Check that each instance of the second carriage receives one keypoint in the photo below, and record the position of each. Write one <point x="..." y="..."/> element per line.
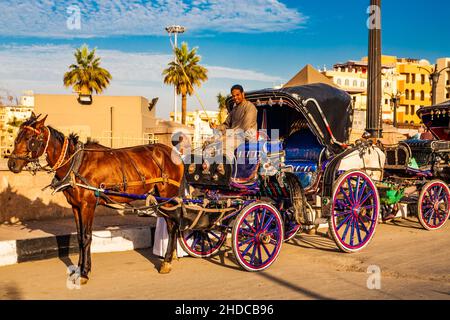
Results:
<point x="300" y="172"/>
<point x="418" y="172"/>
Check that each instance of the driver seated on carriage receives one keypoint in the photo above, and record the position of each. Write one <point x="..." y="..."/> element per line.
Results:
<point x="240" y="125"/>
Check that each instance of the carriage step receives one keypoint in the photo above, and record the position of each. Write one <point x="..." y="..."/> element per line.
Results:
<point x="319" y="221"/>
<point x="146" y="213"/>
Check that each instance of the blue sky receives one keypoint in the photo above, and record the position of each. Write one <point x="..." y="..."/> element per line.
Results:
<point x="258" y="43"/>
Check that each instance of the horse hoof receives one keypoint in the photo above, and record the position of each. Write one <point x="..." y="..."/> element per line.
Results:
<point x="84" y="280"/>
<point x="175" y="256"/>
<point x="165" y="268"/>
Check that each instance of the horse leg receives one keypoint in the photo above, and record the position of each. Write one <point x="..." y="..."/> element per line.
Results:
<point x="166" y="266"/>
<point x="87" y="219"/>
<point x="77" y="216"/>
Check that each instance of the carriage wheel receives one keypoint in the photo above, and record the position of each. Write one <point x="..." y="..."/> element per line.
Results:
<point x="433" y="205"/>
<point x="291" y="227"/>
<point x="257" y="236"/>
<point x="354" y="212"/>
<point x="202" y="243"/>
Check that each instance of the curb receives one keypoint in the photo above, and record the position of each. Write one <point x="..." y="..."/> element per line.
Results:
<point x="111" y="240"/>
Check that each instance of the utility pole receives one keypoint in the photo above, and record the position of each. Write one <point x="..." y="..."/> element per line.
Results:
<point x="373" y="115"/>
<point x="175" y="29"/>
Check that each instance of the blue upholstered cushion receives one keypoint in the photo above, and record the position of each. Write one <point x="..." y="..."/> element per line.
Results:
<point x="302" y="165"/>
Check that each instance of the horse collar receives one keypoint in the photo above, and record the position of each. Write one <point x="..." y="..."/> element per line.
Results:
<point x="62" y="154"/>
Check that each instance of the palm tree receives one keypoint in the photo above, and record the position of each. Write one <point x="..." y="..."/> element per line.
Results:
<point x="221" y="99"/>
<point x="15" y="122"/>
<point x="86" y="75"/>
<point x="184" y="74"/>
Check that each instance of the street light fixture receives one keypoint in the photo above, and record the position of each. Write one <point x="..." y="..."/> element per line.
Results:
<point x="175" y="29"/>
<point x="434" y="79"/>
<point x="395" y="97"/>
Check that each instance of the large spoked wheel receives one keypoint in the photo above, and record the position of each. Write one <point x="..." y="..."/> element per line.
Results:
<point x="202" y="243"/>
<point x="433" y="205"/>
<point x="291" y="227"/>
<point x="354" y="212"/>
<point x="257" y="236"/>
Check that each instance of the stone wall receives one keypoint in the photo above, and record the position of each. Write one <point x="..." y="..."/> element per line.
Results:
<point x="22" y="199"/>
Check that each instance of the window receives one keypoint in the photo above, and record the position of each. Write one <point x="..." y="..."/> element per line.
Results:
<point x="386" y="84"/>
<point x="413" y="95"/>
<point x="406" y="111"/>
<point x="386" y="101"/>
<point x="406" y="121"/>
<point x="422" y="80"/>
<point x="413" y="78"/>
<point x="412" y="110"/>
<point x="355" y="83"/>
<point x="407" y="94"/>
<point x="447" y="95"/>
<point x="347" y="83"/>
<point x="411" y="122"/>
<point x="363" y="84"/>
<point x="422" y="95"/>
<point x="339" y="81"/>
<point x="407" y="77"/>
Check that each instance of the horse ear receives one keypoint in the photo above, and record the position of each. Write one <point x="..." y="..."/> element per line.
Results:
<point x="41" y="122"/>
<point x="33" y="115"/>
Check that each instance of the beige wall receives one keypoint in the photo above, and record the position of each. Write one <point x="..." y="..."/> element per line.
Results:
<point x="443" y="87"/>
<point x="130" y="117"/>
<point x="21" y="198"/>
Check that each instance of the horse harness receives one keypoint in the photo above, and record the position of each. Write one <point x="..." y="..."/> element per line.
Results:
<point x="36" y="142"/>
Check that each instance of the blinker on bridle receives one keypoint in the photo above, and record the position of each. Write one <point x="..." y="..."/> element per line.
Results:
<point x="33" y="145"/>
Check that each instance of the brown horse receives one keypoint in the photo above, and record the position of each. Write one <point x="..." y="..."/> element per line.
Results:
<point x="138" y="170"/>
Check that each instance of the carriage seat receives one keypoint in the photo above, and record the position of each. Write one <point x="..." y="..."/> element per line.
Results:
<point x="302" y="155"/>
<point x="302" y="151"/>
<point x="250" y="156"/>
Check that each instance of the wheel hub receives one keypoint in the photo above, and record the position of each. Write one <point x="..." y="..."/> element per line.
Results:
<point x="264" y="238"/>
<point x="436" y="205"/>
<point x="356" y="211"/>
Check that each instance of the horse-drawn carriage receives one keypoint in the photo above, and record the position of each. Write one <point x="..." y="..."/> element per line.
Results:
<point x="299" y="172"/>
<point x="418" y="172"/>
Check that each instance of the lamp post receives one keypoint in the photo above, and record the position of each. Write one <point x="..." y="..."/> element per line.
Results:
<point x="175" y="29"/>
<point x="394" y="99"/>
<point x="434" y="79"/>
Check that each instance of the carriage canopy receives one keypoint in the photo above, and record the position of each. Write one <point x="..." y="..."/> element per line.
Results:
<point x="290" y="110"/>
<point x="437" y="119"/>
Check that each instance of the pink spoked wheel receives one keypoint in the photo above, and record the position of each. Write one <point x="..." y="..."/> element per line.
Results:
<point x="354" y="211"/>
<point x="433" y="205"/>
<point x="257" y="236"/>
<point x="291" y="226"/>
<point x="202" y="243"/>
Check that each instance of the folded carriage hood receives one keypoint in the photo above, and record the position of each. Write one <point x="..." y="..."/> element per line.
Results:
<point x="335" y="104"/>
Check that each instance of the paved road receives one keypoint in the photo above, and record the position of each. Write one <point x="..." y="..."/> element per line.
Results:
<point x="414" y="264"/>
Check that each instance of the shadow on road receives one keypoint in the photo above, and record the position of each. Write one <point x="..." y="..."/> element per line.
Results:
<point x="319" y="242"/>
<point x="147" y="254"/>
<point x="10" y="292"/>
<point x="292" y="286"/>
<point x="411" y="223"/>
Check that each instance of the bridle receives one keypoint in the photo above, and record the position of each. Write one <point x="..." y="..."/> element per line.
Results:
<point x="34" y="147"/>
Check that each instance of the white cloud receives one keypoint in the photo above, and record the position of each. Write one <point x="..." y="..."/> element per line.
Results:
<point x="41" y="68"/>
<point x="124" y="17"/>
<point x="239" y="74"/>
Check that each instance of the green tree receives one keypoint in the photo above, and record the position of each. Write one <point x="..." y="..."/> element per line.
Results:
<point x="86" y="75"/>
<point x="221" y="99"/>
<point x="184" y="74"/>
<point x="15" y="122"/>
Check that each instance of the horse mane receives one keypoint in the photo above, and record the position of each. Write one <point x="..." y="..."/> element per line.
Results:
<point x="73" y="137"/>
